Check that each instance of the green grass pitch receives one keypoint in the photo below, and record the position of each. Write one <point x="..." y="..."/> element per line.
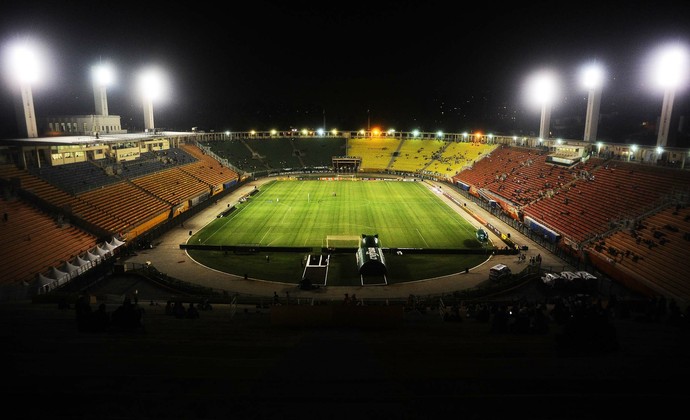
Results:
<point x="304" y="213"/>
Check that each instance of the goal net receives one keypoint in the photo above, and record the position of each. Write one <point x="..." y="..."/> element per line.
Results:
<point x="342" y="241"/>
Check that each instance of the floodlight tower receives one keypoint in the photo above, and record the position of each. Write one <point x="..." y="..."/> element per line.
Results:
<point x="543" y="92"/>
<point x="150" y="83"/>
<point x="103" y="77"/>
<point x="592" y="77"/>
<point x="25" y="68"/>
<point x="669" y="74"/>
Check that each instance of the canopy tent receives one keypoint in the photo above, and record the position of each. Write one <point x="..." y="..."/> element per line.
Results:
<point x="82" y="262"/>
<point x="116" y="242"/>
<point x="60" y="276"/>
<point x="44" y="281"/>
<point x="93" y="258"/>
<point x="101" y="252"/>
<point x="107" y="246"/>
<point x="72" y="269"/>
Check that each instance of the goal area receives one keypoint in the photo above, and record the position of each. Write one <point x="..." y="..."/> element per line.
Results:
<point x="342" y="241"/>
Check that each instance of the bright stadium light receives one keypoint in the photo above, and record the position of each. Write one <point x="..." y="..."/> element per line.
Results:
<point x="25" y="68"/>
<point x="103" y="76"/>
<point x="415" y="133"/>
<point x="670" y="71"/>
<point x="592" y="78"/>
<point x="439" y="134"/>
<point x="542" y="89"/>
<point x="151" y="83"/>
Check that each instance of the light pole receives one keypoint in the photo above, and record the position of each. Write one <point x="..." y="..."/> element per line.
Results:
<point x="669" y="74"/>
<point x="151" y="85"/>
<point x="103" y="76"/>
<point x="542" y="89"/>
<point x="592" y="78"/>
<point x="25" y="68"/>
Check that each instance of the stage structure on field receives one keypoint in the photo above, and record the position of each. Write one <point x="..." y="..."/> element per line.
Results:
<point x="370" y="261"/>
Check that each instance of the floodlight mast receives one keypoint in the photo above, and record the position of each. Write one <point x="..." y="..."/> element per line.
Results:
<point x="150" y="83"/>
<point x="592" y="79"/>
<point x="669" y="75"/>
<point x="102" y="78"/>
<point x="545" y="121"/>
<point x="25" y="69"/>
<point x="544" y="87"/>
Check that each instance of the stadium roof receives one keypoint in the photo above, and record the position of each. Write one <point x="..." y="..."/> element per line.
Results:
<point x="93" y="140"/>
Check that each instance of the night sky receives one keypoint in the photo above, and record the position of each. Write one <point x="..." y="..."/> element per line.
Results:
<point x="425" y="65"/>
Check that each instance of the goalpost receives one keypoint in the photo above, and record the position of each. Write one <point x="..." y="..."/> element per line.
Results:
<point x="342" y="241"/>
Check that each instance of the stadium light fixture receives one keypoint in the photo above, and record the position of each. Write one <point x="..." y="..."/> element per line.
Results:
<point x="439" y="134"/>
<point x="415" y="133"/>
<point x="659" y="151"/>
<point x="102" y="76"/>
<point x="670" y="68"/>
<point x="592" y="78"/>
<point x="151" y="85"/>
<point x="25" y="68"/>
<point x="542" y="88"/>
<point x="320" y="132"/>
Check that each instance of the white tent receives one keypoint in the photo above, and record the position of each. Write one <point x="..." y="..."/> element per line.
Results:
<point x="116" y="242"/>
<point x="43" y="281"/>
<point x="586" y="275"/>
<point x="72" y="269"/>
<point x="109" y="247"/>
<point x="569" y="275"/>
<point x="93" y="258"/>
<point x="101" y="252"/>
<point x="60" y="276"/>
<point x="82" y="262"/>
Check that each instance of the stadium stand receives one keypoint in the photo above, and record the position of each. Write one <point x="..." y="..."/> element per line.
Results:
<point x="318" y="151"/>
<point x="376" y="152"/>
<point x="581" y="200"/>
<point x="457" y="156"/>
<point x="413" y="155"/>
<point x="33" y="241"/>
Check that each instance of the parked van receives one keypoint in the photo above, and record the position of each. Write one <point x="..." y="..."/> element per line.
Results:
<point x="499" y="271"/>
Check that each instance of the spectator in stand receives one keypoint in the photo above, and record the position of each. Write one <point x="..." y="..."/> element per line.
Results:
<point x="192" y="311"/>
<point x="178" y="310"/>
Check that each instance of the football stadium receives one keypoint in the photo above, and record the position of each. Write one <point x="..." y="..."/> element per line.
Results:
<point x="316" y="274"/>
<point x="431" y="202"/>
<point x="392" y="238"/>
